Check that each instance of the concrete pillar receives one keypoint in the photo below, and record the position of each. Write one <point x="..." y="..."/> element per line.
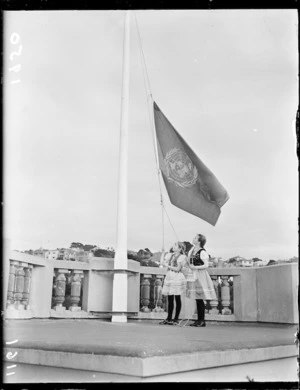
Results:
<point x="158" y="293"/>
<point x="27" y="284"/>
<point x="60" y="289"/>
<point x="215" y="302"/>
<point x="19" y="286"/>
<point x="145" y="293"/>
<point x="77" y="275"/>
<point x="225" y="295"/>
<point x="11" y="283"/>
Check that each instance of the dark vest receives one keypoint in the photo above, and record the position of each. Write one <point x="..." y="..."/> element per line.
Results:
<point x="195" y="258"/>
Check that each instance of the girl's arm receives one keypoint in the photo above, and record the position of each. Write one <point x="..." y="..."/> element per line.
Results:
<point x="165" y="256"/>
<point x="188" y="257"/>
<point x="162" y="257"/>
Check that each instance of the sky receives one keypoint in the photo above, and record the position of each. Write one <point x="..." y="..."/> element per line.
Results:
<point x="227" y="80"/>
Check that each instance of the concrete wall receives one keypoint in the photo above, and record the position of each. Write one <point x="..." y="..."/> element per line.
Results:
<point x="98" y="287"/>
<point x="244" y="291"/>
<point x="41" y="291"/>
<point x="264" y="294"/>
<point x="277" y="293"/>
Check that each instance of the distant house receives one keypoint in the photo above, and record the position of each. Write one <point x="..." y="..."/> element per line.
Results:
<point x="70" y="254"/>
<point x="217" y="262"/>
<point x="40" y="252"/>
<point x="294" y="259"/>
<point x="244" y="263"/>
<point x="52" y="254"/>
<point x="81" y="255"/>
<point x="258" y="262"/>
<point x="239" y="261"/>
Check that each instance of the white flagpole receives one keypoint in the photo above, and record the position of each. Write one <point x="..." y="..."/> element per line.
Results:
<point x="120" y="285"/>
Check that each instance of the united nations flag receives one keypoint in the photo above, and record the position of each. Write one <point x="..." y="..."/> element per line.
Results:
<point x="190" y="184"/>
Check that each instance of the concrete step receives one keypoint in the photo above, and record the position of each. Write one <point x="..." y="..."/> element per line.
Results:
<point x="142" y="349"/>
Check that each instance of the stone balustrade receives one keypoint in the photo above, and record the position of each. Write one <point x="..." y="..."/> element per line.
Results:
<point x="43" y="288"/>
<point x="151" y="293"/>
<point x="152" y="301"/>
<point x="67" y="290"/>
<point x="18" y="290"/>
<point x="39" y="287"/>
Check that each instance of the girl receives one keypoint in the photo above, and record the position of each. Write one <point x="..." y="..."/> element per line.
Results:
<point x="200" y="286"/>
<point x="174" y="283"/>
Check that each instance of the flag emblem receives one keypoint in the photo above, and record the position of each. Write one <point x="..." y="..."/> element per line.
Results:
<point x="180" y="169"/>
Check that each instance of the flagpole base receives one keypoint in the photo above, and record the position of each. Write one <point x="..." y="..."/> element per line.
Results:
<point x="119" y="318"/>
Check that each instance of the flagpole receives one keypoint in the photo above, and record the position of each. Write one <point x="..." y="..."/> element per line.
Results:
<point x="120" y="283"/>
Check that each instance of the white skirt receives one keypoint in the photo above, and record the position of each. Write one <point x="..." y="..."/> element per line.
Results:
<point x="202" y="287"/>
<point x="174" y="283"/>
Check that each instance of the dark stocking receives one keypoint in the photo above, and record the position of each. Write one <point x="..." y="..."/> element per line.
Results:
<point x="200" y="309"/>
<point x="178" y="306"/>
<point x="170" y="307"/>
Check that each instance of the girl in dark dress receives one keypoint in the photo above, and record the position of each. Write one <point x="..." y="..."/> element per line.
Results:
<point x="200" y="285"/>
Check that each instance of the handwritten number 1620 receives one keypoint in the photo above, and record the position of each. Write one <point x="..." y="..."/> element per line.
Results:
<point x="15" y="40"/>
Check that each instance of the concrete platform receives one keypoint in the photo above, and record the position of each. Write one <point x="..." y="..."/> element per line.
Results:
<point x="144" y="350"/>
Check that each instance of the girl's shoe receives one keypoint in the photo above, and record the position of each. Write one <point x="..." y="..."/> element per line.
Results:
<point x="175" y="322"/>
<point x="166" y="322"/>
<point x="194" y="323"/>
<point x="200" y="323"/>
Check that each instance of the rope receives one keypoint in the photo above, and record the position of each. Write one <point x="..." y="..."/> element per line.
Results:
<point x="163" y="206"/>
<point x="149" y="100"/>
<point x="142" y="53"/>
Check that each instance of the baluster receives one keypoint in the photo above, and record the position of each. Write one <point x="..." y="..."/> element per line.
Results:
<point x="164" y="303"/>
<point x="225" y="295"/>
<point x="27" y="284"/>
<point x="60" y="289"/>
<point x="215" y="302"/>
<point x="11" y="283"/>
<point x="77" y="275"/>
<point x="231" y="294"/>
<point x="145" y="293"/>
<point x="158" y="293"/>
<point x="19" y="285"/>
<point x="152" y="287"/>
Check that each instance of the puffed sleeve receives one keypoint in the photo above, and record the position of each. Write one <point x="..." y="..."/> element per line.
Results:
<point x="168" y="256"/>
<point x="182" y="259"/>
<point x="204" y="257"/>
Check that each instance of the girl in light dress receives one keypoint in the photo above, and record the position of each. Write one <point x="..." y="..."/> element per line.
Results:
<point x="199" y="284"/>
<point x="175" y="282"/>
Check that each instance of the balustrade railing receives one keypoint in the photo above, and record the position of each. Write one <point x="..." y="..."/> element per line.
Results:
<point x="31" y="291"/>
<point x="151" y="293"/>
<point x="224" y="304"/>
<point x="152" y="300"/>
<point x="43" y="288"/>
<point x="67" y="290"/>
<point x="19" y="282"/>
<point x="68" y="282"/>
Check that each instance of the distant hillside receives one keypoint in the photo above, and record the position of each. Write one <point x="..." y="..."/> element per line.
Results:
<point x="143" y="256"/>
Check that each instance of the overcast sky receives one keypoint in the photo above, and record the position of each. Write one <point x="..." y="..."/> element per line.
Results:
<point x="226" y="80"/>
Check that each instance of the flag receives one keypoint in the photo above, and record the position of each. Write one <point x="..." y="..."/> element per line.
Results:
<point x="191" y="186"/>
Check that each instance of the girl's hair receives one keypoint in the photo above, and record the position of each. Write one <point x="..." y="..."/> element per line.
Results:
<point x="202" y="240"/>
<point x="181" y="246"/>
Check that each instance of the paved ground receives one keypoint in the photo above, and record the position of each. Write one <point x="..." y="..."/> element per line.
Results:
<point x="143" y="351"/>
<point x="142" y="339"/>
